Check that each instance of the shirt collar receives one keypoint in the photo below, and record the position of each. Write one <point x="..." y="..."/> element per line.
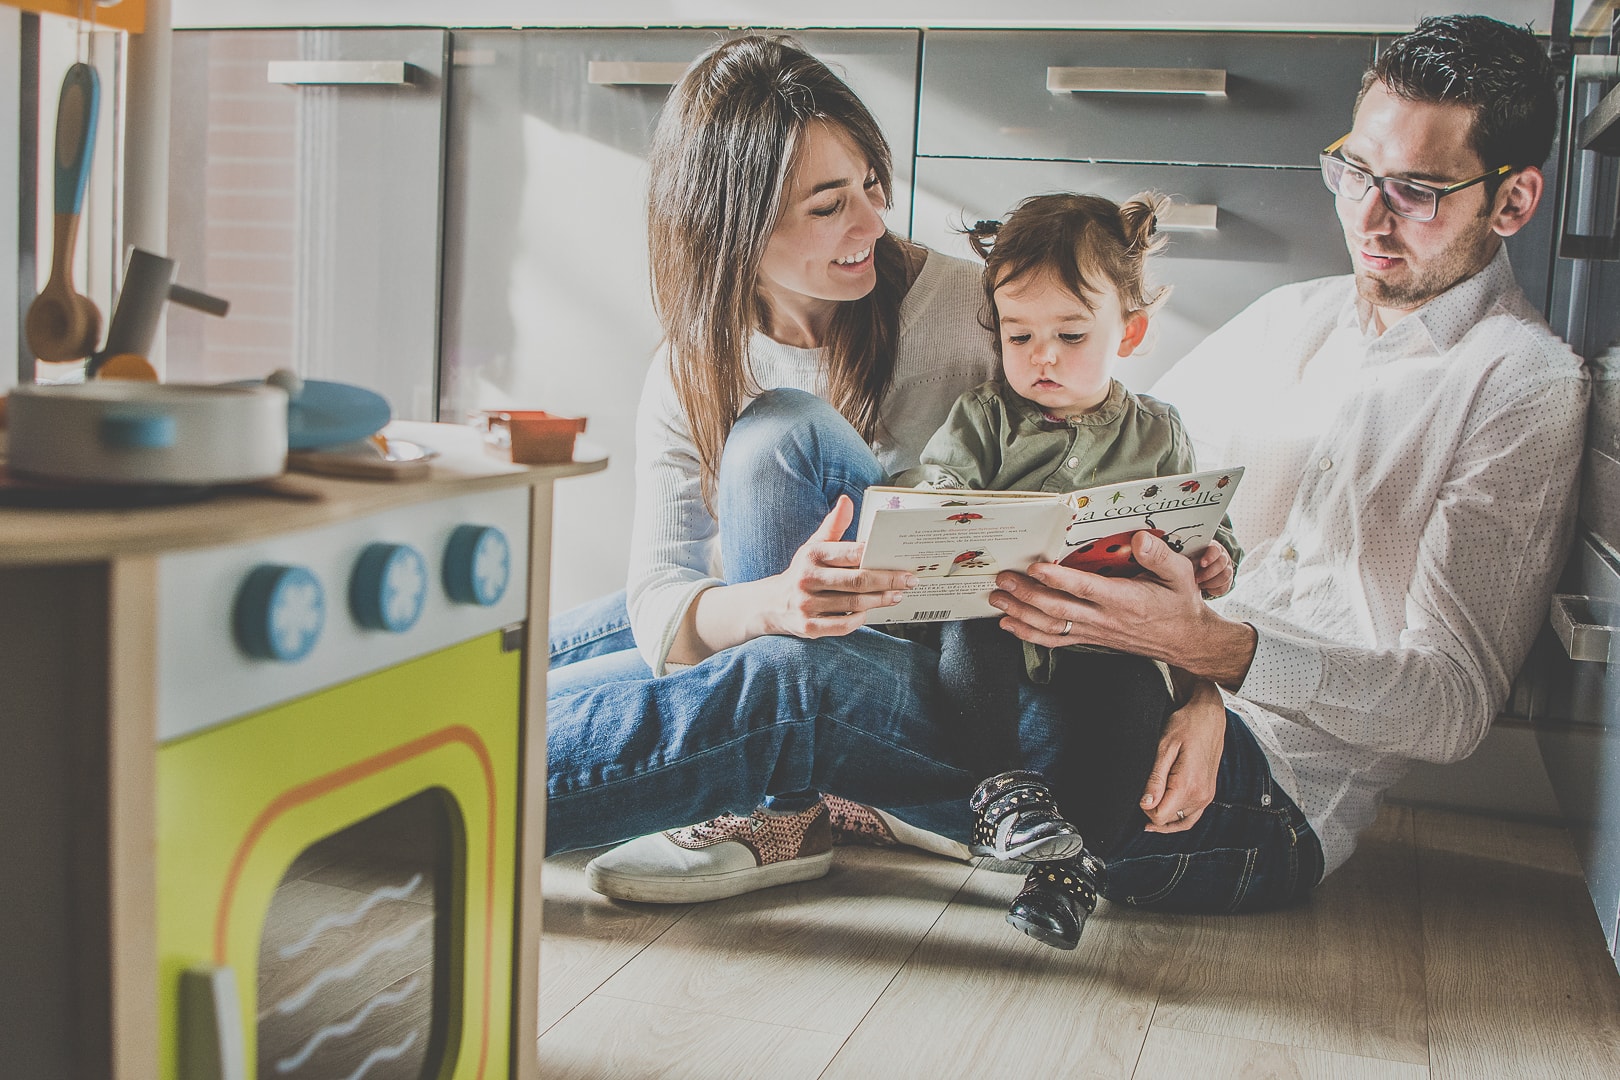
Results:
<point x="1449" y="316"/>
<point x="1101" y="416"/>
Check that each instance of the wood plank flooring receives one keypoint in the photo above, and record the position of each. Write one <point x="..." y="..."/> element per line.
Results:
<point x="1450" y="947"/>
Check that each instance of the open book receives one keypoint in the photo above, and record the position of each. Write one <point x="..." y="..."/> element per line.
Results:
<point x="956" y="542"/>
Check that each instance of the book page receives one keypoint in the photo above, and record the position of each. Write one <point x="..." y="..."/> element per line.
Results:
<point x="957" y="549"/>
<point x="957" y="542"/>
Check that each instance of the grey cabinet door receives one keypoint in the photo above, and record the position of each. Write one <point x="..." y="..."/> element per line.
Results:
<point x="1580" y="740"/>
<point x="985" y="94"/>
<point x="546" y="297"/>
<point x="1272" y="226"/>
<point x="312" y="206"/>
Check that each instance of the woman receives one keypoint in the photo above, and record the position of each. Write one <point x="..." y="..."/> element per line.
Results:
<point x="809" y="354"/>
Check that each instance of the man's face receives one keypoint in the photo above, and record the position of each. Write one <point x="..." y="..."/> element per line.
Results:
<point x="1401" y="264"/>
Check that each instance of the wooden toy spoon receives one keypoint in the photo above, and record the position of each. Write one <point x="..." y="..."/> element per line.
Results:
<point x="62" y="323"/>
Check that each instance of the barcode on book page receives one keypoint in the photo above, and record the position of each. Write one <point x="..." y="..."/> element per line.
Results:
<point x="932" y="616"/>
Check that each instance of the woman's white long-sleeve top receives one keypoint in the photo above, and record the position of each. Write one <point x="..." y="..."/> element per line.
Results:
<point x="674" y="552"/>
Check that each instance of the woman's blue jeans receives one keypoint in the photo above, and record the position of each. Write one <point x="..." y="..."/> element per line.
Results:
<point x="630" y="754"/>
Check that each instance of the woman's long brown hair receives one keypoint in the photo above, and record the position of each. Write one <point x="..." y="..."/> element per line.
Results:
<point x="721" y="158"/>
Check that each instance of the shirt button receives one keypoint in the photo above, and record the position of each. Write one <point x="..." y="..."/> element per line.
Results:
<point x="1074" y="463"/>
<point x="1325" y="464"/>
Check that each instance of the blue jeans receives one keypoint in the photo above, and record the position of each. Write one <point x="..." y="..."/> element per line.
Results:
<point x="859" y="715"/>
<point x="1251" y="850"/>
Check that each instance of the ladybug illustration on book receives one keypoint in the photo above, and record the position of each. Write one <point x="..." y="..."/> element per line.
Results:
<point x="1111" y="556"/>
<point x="968" y="560"/>
<point x="1150" y="491"/>
<point x="1223" y="481"/>
<point x="964" y="518"/>
<point x="1189" y="486"/>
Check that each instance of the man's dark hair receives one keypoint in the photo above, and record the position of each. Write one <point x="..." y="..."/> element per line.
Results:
<point x="1499" y="71"/>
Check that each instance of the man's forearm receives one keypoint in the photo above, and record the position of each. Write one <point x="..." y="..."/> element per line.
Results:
<point x="1220" y="649"/>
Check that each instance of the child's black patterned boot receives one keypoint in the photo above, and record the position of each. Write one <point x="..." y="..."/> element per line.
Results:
<point x="1016" y="818"/>
<point x="1056" y="900"/>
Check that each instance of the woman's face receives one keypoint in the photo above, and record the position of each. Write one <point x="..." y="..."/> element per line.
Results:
<point x="820" y="253"/>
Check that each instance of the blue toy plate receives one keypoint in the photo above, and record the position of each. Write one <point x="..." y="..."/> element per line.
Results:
<point x="328" y="413"/>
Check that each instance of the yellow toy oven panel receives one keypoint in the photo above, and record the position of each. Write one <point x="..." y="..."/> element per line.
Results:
<point x="239" y="804"/>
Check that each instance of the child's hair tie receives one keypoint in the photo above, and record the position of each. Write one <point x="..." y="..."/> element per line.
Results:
<point x="982" y="234"/>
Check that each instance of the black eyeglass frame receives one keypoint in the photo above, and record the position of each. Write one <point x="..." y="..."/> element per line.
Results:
<point x="1330" y="154"/>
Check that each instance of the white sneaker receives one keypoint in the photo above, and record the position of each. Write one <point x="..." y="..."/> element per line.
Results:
<point x="857" y="823"/>
<point x="728" y="856"/>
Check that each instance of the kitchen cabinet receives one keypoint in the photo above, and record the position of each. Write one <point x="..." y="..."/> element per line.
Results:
<point x="305" y="187"/>
<point x="1228" y="125"/>
<point x="546" y="297"/>
<point x="1580" y="734"/>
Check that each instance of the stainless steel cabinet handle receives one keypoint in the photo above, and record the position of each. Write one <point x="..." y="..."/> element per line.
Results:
<point x="635" y="72"/>
<point x="1189" y="217"/>
<point x="1585" y="625"/>
<point x="342" y="72"/>
<point x="1211" y="82"/>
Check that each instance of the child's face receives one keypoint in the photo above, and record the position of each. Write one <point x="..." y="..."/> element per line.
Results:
<point x="1057" y="353"/>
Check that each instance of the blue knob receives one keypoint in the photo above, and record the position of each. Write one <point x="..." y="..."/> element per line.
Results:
<point x="279" y="613"/>
<point x="388" y="587"/>
<point x="477" y="565"/>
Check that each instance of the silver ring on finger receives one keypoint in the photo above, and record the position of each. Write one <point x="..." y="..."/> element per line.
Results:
<point x="1068" y="624"/>
<point x="1181" y="815"/>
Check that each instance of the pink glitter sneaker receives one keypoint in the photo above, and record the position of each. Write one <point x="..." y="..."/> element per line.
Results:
<point x="712" y="860"/>
<point x="857" y="823"/>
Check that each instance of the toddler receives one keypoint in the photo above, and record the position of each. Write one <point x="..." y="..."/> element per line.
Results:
<point x="1064" y="277"/>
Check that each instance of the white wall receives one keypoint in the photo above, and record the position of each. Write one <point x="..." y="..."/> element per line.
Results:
<point x="1367" y="16"/>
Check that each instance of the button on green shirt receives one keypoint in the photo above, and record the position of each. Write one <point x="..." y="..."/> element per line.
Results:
<point x="994" y="440"/>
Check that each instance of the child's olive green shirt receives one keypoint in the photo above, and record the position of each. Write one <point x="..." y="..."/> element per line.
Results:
<point x="994" y="440"/>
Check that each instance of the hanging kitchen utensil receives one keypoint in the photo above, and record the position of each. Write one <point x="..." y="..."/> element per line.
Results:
<point x="62" y="323"/>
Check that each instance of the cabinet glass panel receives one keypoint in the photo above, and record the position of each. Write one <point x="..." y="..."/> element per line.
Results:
<point x="1272" y="226"/>
<point x="1282" y="97"/>
<point x="546" y="299"/>
<point x="305" y="180"/>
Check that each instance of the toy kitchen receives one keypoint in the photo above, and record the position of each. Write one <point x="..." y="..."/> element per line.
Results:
<point x="275" y="752"/>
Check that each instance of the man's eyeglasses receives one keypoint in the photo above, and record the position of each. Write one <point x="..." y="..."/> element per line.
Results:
<point x="1406" y="198"/>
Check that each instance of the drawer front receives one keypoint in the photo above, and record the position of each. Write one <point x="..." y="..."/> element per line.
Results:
<point x="1600" y="496"/>
<point x="984" y="94"/>
<point x="1603" y="433"/>
<point x="1580" y="740"/>
<point x="546" y="297"/>
<point x="1272" y="226"/>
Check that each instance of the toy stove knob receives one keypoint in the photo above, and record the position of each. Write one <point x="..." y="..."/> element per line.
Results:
<point x="388" y="587"/>
<point x="477" y="565"/>
<point x="279" y="612"/>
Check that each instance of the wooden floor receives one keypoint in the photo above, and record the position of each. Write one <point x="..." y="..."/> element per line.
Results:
<point x="1449" y="947"/>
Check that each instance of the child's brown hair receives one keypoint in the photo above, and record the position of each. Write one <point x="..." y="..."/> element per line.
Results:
<point x="1081" y="240"/>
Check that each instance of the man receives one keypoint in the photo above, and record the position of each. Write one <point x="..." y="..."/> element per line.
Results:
<point x="1411" y="433"/>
